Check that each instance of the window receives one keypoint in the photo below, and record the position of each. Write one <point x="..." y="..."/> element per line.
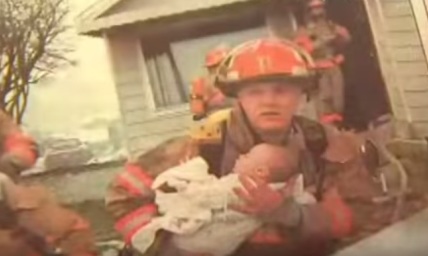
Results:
<point x="172" y="65"/>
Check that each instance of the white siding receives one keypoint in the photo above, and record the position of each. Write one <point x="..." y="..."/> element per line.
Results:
<point x="419" y="97"/>
<point x="403" y="60"/>
<point x="129" y="81"/>
<point x="420" y="9"/>
<point x="157" y="128"/>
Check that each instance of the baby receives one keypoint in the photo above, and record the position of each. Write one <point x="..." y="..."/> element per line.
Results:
<point x="269" y="162"/>
<point x="197" y="211"/>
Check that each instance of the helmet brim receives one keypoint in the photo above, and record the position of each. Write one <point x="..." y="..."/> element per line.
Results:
<point x="232" y="88"/>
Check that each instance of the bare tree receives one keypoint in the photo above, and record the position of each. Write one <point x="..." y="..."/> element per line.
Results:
<point x="30" y="48"/>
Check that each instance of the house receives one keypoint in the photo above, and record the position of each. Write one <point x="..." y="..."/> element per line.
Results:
<point x="157" y="47"/>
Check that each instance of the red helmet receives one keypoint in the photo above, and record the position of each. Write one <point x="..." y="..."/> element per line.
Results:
<point x="316" y="3"/>
<point x="216" y="56"/>
<point x="261" y="60"/>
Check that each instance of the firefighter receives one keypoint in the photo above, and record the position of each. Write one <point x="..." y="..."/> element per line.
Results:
<point x="18" y="151"/>
<point x="267" y="77"/>
<point x="325" y="40"/>
<point x="32" y="223"/>
<point x="205" y="97"/>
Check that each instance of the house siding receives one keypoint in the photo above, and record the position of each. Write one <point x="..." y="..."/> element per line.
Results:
<point x="157" y="128"/>
<point x="403" y="61"/>
<point x="130" y="83"/>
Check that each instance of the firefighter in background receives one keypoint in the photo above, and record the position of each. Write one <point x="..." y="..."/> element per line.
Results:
<point x="205" y="97"/>
<point x="32" y="223"/>
<point x="325" y="40"/>
<point x="267" y="77"/>
<point x="18" y="151"/>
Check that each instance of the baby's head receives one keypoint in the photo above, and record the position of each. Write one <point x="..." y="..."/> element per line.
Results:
<point x="273" y="163"/>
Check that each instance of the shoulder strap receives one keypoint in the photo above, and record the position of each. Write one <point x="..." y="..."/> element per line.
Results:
<point x="316" y="142"/>
<point x="314" y="135"/>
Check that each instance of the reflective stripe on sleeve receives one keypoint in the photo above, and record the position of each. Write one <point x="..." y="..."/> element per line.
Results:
<point x="134" y="221"/>
<point x="135" y="181"/>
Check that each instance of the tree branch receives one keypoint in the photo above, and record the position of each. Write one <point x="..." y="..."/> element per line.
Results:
<point x="29" y="47"/>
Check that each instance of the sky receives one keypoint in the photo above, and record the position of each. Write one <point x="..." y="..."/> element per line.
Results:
<point x="75" y="94"/>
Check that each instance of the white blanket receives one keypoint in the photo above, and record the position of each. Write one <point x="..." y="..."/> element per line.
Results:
<point x="198" y="212"/>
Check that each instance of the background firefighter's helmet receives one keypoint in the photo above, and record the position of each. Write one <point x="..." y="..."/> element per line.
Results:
<point x="268" y="59"/>
<point x="216" y="56"/>
<point x="316" y="3"/>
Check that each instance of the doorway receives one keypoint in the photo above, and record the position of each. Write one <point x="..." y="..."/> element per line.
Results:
<point x="366" y="97"/>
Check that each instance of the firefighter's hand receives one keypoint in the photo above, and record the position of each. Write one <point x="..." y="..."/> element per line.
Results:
<point x="258" y="197"/>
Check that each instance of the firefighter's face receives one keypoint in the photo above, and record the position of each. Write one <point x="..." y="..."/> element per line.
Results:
<point x="270" y="106"/>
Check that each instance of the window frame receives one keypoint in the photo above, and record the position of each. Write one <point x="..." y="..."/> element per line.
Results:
<point x="192" y="30"/>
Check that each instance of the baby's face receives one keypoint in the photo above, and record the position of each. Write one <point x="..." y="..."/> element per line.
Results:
<point x="272" y="163"/>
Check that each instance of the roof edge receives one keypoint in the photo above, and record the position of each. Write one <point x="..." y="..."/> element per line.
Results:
<point x="93" y="11"/>
<point x="96" y="27"/>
